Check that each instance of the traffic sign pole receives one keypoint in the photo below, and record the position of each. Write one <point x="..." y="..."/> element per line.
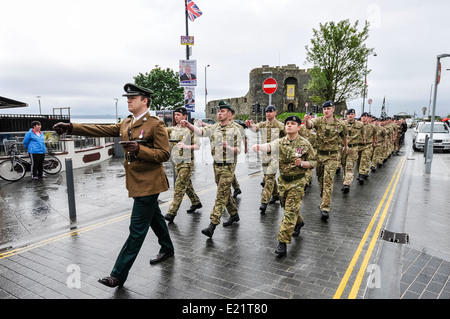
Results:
<point x="269" y="87"/>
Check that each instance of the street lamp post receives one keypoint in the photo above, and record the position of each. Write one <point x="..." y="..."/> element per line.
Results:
<point x="365" y="80"/>
<point x="39" y="100"/>
<point x="206" y="90"/>
<point x="430" y="145"/>
<point x="117" y="119"/>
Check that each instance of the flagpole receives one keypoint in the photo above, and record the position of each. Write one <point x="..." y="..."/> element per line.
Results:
<point x="187" y="30"/>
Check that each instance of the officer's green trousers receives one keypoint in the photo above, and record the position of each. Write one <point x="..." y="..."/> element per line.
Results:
<point x="145" y="214"/>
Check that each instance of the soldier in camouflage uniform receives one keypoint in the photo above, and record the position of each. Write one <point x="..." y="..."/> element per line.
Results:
<point x="225" y="140"/>
<point x="270" y="130"/>
<point x="379" y="149"/>
<point x="295" y="156"/>
<point x="330" y="135"/>
<point x="356" y="132"/>
<point x="366" y="149"/>
<point x="183" y="159"/>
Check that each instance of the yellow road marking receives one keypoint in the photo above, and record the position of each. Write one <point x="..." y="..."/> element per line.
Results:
<point x="355" y="258"/>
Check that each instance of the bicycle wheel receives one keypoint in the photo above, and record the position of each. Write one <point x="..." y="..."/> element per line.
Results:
<point x="52" y="165"/>
<point x="11" y="172"/>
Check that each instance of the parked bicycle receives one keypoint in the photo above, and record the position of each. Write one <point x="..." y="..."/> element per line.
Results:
<point x="15" y="168"/>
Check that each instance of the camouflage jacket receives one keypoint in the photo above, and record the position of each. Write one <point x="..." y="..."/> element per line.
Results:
<point x="182" y="134"/>
<point x="356" y="133"/>
<point x="218" y="134"/>
<point x="329" y="136"/>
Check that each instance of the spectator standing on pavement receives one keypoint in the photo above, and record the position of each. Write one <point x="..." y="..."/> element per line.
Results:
<point x="146" y="145"/>
<point x="225" y="140"/>
<point x="295" y="156"/>
<point x="330" y="135"/>
<point x="34" y="141"/>
<point x="270" y="130"/>
<point x="183" y="159"/>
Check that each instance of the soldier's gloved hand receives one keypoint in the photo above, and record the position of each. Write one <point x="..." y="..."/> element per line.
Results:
<point x="132" y="147"/>
<point x="62" y="128"/>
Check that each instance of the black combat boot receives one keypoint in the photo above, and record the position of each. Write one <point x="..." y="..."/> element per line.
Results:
<point x="169" y="217"/>
<point x="297" y="228"/>
<point x="262" y="208"/>
<point x="209" y="231"/>
<point x="274" y="199"/>
<point x="233" y="218"/>
<point x="281" y="249"/>
<point x="194" y="207"/>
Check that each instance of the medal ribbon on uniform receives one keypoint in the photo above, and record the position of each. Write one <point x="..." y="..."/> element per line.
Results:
<point x="141" y="135"/>
<point x="299" y="152"/>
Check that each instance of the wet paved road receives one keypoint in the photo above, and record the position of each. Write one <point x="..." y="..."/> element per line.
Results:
<point x="342" y="258"/>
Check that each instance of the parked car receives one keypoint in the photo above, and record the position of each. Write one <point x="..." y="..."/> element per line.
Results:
<point x="416" y="129"/>
<point x="208" y="121"/>
<point x="241" y="123"/>
<point x="441" y="137"/>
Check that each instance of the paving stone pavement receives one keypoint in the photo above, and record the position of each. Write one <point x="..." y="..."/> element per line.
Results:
<point x="55" y="262"/>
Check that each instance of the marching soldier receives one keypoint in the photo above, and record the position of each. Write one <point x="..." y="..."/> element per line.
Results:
<point x="310" y="135"/>
<point x="225" y="140"/>
<point x="183" y="159"/>
<point x="296" y="155"/>
<point x="356" y="133"/>
<point x="378" y="150"/>
<point x="366" y="148"/>
<point x="146" y="143"/>
<point x="271" y="129"/>
<point x="330" y="134"/>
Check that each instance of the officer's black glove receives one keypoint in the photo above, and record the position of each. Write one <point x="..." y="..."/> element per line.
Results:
<point x="62" y="128"/>
<point x="132" y="147"/>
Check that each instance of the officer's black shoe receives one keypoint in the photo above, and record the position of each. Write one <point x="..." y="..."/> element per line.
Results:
<point x="111" y="281"/>
<point x="237" y="192"/>
<point x="209" y="231"/>
<point x="169" y="217"/>
<point x="274" y="199"/>
<point x="194" y="207"/>
<point x="233" y="218"/>
<point x="297" y="228"/>
<point x="324" y="214"/>
<point x="281" y="249"/>
<point x="345" y="189"/>
<point x="262" y="208"/>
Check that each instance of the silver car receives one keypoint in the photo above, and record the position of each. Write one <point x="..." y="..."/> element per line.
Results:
<point x="441" y="136"/>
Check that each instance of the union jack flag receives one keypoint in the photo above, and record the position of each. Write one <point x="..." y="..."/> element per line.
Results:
<point x="192" y="10"/>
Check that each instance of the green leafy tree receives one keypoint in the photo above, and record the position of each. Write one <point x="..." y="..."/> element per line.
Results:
<point x="165" y="85"/>
<point x="338" y="53"/>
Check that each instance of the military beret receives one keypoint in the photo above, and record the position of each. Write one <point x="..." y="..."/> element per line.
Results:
<point x="135" y="90"/>
<point x="293" y="118"/>
<point x="328" y="104"/>
<point x="365" y="114"/>
<point x="224" y="105"/>
<point x="271" y="108"/>
<point x="181" y="110"/>
<point x="351" y="111"/>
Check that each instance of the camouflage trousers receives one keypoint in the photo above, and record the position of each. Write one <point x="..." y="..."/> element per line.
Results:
<point x="183" y="185"/>
<point x="378" y="154"/>
<point x="223" y="175"/>
<point x="349" y="162"/>
<point x="270" y="186"/>
<point x="291" y="194"/>
<point x="326" y="170"/>
<point x="365" y="159"/>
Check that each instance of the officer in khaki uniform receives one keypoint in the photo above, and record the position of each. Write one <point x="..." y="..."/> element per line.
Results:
<point x="146" y="145"/>
<point x="295" y="156"/>
<point x="330" y="135"/>
<point x="356" y="132"/>
<point x="183" y="159"/>
<point x="225" y="140"/>
<point x="270" y="130"/>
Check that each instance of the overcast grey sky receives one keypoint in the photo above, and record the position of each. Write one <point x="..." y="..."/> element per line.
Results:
<point x="81" y="53"/>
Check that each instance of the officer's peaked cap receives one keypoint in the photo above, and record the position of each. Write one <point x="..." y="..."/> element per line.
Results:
<point x="134" y="90"/>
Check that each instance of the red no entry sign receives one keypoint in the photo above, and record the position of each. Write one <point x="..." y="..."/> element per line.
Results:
<point x="270" y="86"/>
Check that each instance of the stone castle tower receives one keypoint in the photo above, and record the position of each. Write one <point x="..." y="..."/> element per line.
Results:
<point x="290" y="95"/>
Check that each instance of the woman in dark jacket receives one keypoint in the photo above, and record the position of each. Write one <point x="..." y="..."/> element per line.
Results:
<point x="34" y="141"/>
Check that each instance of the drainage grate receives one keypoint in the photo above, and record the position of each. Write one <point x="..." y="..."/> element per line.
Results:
<point x="400" y="238"/>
